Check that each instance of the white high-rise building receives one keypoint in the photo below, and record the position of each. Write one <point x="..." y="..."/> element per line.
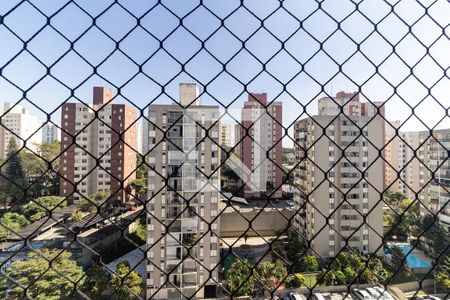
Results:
<point x="50" y="133"/>
<point x="183" y="199"/>
<point x="17" y="122"/>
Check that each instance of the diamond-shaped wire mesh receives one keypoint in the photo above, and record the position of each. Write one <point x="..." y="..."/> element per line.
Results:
<point x="223" y="149"/>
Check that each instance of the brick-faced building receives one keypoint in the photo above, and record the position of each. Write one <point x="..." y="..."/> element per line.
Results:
<point x="261" y="147"/>
<point x="97" y="153"/>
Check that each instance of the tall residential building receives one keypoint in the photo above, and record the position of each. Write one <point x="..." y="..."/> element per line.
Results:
<point x="261" y="149"/>
<point x="340" y="176"/>
<point x="183" y="227"/>
<point x="391" y="154"/>
<point x="226" y="138"/>
<point x="402" y="167"/>
<point x="50" y="133"/>
<point x="237" y="139"/>
<point x="139" y="129"/>
<point x="17" y="122"/>
<point x="434" y="154"/>
<point x="109" y="139"/>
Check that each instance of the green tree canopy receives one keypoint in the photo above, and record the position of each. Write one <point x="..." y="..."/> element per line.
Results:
<point x="294" y="281"/>
<point x="102" y="198"/>
<point x="351" y="268"/>
<point x="12" y="221"/>
<point x="96" y="282"/>
<point x="269" y="275"/>
<point x="126" y="284"/>
<point x="13" y="180"/>
<point x="44" y="281"/>
<point x="309" y="263"/>
<point x="39" y="208"/>
<point x="240" y="278"/>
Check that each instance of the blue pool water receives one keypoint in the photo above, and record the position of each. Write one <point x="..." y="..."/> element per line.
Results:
<point x="412" y="261"/>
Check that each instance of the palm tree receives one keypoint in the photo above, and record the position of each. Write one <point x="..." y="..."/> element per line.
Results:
<point x="240" y="278"/>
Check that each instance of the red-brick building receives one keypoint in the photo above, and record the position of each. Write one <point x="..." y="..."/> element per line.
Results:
<point x="98" y="147"/>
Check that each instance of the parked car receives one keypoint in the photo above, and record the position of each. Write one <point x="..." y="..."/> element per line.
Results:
<point x="382" y="291"/>
<point x="294" y="296"/>
<point x="318" y="296"/>
<point x="290" y="202"/>
<point x="361" y="295"/>
<point x="375" y="293"/>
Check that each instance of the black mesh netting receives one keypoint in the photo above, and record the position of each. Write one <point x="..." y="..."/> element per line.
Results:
<point x="224" y="149"/>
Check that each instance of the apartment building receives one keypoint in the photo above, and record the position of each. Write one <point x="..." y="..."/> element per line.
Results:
<point x="261" y="149"/>
<point x="17" y="122"/>
<point x="435" y="192"/>
<point x="237" y="139"/>
<point x="50" y="133"/>
<point x="108" y="139"/>
<point x="340" y="176"/>
<point x="183" y="185"/>
<point x="402" y="165"/>
<point x="226" y="138"/>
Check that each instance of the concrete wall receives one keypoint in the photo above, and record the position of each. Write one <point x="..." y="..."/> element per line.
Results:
<point x="232" y="224"/>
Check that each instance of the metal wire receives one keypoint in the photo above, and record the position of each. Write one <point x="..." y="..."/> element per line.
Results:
<point x="298" y="20"/>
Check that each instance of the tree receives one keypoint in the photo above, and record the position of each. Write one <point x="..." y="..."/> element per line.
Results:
<point x="393" y="198"/>
<point x="12" y="221"/>
<point x="443" y="282"/>
<point x="240" y="278"/>
<point x="14" y="167"/>
<point x="269" y="275"/>
<point x="97" y="281"/>
<point x="349" y="268"/>
<point x="43" y="280"/>
<point x="100" y="199"/>
<point x="140" y="187"/>
<point x="294" y="281"/>
<point x="309" y="263"/>
<point x="436" y="237"/>
<point x="442" y="277"/>
<point x="140" y="232"/>
<point x="42" y="169"/>
<point x="327" y="278"/>
<point x="397" y="257"/>
<point x="126" y="284"/>
<point x="294" y="250"/>
<point x="13" y="175"/>
<point x="39" y="208"/>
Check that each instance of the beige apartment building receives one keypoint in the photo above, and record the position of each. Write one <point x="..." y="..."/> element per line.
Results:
<point x="109" y="139"/>
<point x="340" y="176"/>
<point x="183" y="197"/>
<point x="412" y="158"/>
<point x="226" y="138"/>
<point x="402" y="165"/>
<point x="434" y="155"/>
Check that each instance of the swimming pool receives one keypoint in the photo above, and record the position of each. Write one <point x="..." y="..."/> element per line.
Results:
<point x="412" y="261"/>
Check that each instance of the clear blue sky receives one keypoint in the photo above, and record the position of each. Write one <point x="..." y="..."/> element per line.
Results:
<point x="94" y="46"/>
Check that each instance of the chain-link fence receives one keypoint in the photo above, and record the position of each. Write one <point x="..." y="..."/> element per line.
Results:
<point x="224" y="149"/>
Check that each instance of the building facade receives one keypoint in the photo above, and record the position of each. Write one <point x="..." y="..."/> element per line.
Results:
<point x="17" y="122"/>
<point x="50" y="133"/>
<point x="261" y="149"/>
<point x="402" y="164"/>
<point x="339" y="178"/>
<point x="434" y="174"/>
<point x="226" y="138"/>
<point x="183" y="227"/>
<point x="109" y="139"/>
